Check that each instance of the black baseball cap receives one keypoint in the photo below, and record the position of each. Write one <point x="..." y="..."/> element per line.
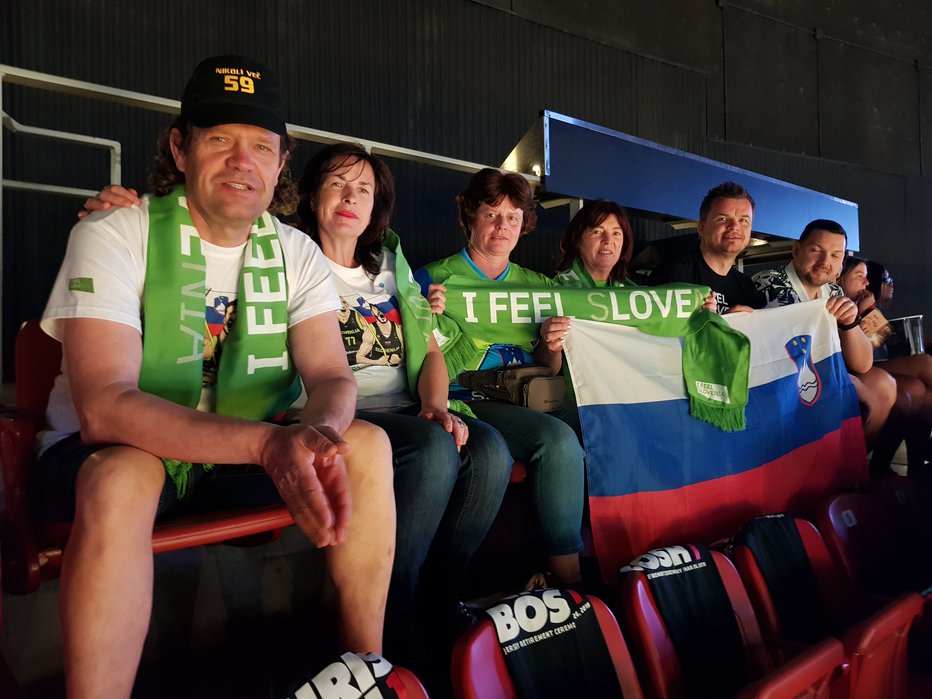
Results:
<point x="233" y="90"/>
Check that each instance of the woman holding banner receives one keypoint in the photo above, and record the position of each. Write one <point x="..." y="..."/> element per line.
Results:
<point x="495" y="210"/>
<point x="596" y="247"/>
<point x="595" y="250"/>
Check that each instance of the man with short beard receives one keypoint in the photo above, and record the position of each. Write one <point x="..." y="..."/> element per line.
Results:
<point x="811" y="275"/>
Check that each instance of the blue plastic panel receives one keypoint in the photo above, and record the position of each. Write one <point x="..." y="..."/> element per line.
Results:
<point x="590" y="162"/>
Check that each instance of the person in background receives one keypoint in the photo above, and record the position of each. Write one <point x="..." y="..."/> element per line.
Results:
<point x="870" y="286"/>
<point x="495" y="210"/>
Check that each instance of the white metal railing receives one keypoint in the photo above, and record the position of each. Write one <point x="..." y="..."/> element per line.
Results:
<point x="55" y="83"/>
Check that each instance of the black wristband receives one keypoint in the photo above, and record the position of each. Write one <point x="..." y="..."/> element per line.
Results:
<point x="852" y="325"/>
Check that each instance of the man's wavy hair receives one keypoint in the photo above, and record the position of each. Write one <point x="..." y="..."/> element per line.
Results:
<point x="337" y="157"/>
<point x="164" y="175"/>
<point x="591" y="215"/>
<point x="490" y="186"/>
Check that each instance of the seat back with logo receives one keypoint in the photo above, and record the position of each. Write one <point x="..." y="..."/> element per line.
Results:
<point x="479" y="669"/>
<point x="707" y="597"/>
<point x="814" y="674"/>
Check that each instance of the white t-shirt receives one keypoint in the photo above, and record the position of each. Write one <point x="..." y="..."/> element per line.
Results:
<point x="110" y="249"/>
<point x="370" y="322"/>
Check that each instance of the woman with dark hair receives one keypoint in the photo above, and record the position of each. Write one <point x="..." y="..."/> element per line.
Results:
<point x="596" y="247"/>
<point x="495" y="210"/>
<point x="869" y="284"/>
<point x="451" y="470"/>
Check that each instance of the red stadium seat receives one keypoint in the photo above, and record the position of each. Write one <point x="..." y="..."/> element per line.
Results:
<point x="478" y="665"/>
<point x="812" y="674"/>
<point x="32" y="550"/>
<point x="863" y="538"/>
<point x="412" y="685"/>
<point x="873" y="630"/>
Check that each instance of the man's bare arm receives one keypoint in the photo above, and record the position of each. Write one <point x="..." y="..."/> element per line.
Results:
<point x="856" y="349"/>
<point x="103" y="360"/>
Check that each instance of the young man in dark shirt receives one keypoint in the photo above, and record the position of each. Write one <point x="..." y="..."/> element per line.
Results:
<point x="725" y="218"/>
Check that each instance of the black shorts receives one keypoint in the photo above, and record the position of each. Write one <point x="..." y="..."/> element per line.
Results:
<point x="224" y="486"/>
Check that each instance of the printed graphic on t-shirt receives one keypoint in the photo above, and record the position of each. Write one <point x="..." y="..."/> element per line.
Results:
<point x="371" y="330"/>
<point x="220" y="316"/>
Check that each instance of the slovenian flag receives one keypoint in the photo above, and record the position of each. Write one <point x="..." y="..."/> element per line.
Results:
<point x="658" y="476"/>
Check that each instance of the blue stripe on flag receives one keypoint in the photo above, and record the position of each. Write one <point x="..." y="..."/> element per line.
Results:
<point x="658" y="446"/>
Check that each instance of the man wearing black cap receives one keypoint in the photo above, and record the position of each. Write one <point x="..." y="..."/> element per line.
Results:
<point x="187" y="323"/>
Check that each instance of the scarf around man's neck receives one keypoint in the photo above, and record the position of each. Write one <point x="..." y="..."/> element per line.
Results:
<point x="716" y="357"/>
<point x="256" y="378"/>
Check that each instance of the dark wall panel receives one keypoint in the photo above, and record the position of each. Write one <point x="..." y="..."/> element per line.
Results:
<point x="771" y="84"/>
<point x="883" y="93"/>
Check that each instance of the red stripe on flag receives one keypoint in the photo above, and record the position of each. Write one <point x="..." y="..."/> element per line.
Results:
<point x="626" y="526"/>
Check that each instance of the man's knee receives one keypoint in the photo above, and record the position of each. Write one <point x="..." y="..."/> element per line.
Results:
<point x="120" y="480"/>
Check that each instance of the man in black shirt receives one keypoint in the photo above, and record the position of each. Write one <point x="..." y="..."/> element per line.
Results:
<point x="725" y="218"/>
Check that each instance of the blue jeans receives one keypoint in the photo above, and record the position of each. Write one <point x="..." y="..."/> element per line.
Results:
<point x="445" y="502"/>
<point x="550" y="450"/>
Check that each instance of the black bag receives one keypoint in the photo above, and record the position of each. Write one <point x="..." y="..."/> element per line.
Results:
<point x="534" y="387"/>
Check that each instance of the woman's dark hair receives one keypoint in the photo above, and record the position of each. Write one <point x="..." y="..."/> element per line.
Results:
<point x="591" y="215"/>
<point x="876" y="277"/>
<point x="851" y="261"/>
<point x="489" y="186"/>
<point x="164" y="175"/>
<point x="337" y="157"/>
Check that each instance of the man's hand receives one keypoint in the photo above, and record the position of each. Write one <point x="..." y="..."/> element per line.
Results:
<point x="451" y="422"/>
<point x="437" y="298"/>
<point x="843" y="308"/>
<point x="305" y="466"/>
<point x="708" y="303"/>
<point x="553" y="332"/>
<point x="111" y="196"/>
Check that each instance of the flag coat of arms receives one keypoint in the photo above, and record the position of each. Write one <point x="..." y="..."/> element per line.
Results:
<point x="657" y="475"/>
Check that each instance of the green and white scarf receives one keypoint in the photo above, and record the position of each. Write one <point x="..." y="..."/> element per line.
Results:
<point x="714" y="353"/>
<point x="256" y="379"/>
<point x="578" y="277"/>
<point x="416" y="318"/>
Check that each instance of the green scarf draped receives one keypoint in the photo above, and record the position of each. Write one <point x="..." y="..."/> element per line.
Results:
<point x="578" y="277"/>
<point x="716" y="357"/>
<point x="256" y="378"/>
<point x="417" y="319"/>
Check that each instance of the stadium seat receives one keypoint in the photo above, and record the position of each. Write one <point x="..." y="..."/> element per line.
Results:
<point x="873" y="553"/>
<point x="812" y="674"/>
<point x="478" y="669"/>
<point x="32" y="550"/>
<point x="873" y="630"/>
